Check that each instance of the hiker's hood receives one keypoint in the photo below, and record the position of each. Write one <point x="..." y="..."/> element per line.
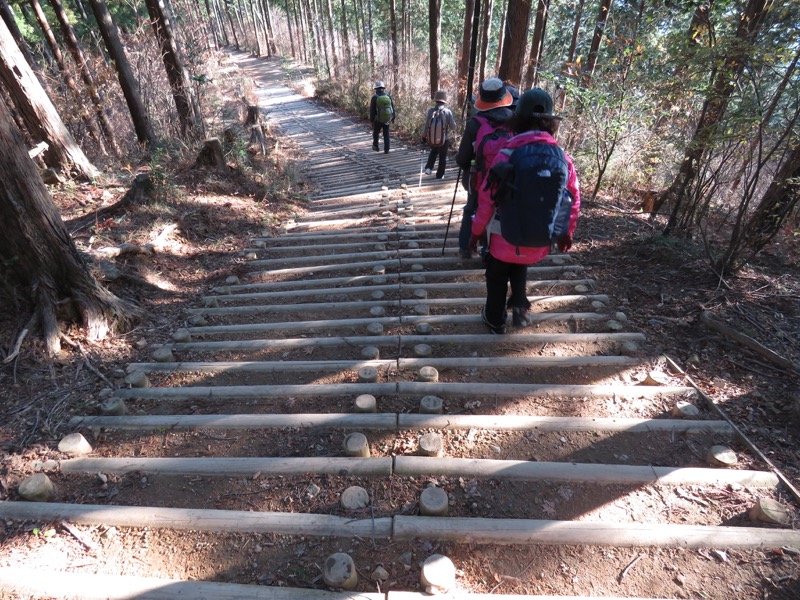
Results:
<point x="530" y="137"/>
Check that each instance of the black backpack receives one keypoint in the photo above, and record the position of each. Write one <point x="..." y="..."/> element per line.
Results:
<point x="533" y="204"/>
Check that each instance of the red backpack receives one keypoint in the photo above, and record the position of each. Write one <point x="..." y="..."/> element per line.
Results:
<point x="490" y="139"/>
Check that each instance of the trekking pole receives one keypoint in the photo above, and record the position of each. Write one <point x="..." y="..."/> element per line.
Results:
<point x="421" y="157"/>
<point x="452" y="206"/>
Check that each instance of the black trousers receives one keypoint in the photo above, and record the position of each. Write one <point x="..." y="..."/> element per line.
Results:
<point x="439" y="152"/>
<point x="376" y="131"/>
<point x="498" y="275"/>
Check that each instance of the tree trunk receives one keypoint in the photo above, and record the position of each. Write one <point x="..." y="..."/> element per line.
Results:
<point x="129" y="85"/>
<point x="329" y="21"/>
<point x="323" y="38"/>
<point x="778" y="202"/>
<point x="514" y="44"/>
<point x="573" y="43"/>
<point x="38" y="251"/>
<point x="66" y="73"/>
<point x="597" y="37"/>
<point x="345" y="35"/>
<point x="176" y="74"/>
<point x="473" y="48"/>
<point x="725" y="81"/>
<point x="38" y="112"/>
<point x="371" y="39"/>
<point x="434" y="41"/>
<point x="463" y="55"/>
<point x="231" y="25"/>
<point x="539" y="28"/>
<point x="83" y="68"/>
<point x="393" y="29"/>
<point x="503" y="15"/>
<point x="273" y="49"/>
<point x="8" y="16"/>
<point x="487" y="26"/>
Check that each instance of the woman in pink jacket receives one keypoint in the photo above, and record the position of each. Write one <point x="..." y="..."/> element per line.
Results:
<point x="534" y="123"/>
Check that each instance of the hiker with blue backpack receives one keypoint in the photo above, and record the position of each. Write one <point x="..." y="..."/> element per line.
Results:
<point x="439" y="122"/>
<point x="529" y="201"/>
<point x="381" y="113"/>
<point x="492" y="106"/>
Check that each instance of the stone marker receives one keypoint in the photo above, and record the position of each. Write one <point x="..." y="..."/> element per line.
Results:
<point x="163" y="354"/>
<point x="430" y="444"/>
<point x="431" y="405"/>
<point x="557" y="260"/>
<point x="375" y="329"/>
<point x="340" y="571"/>
<point x="75" y="445"/>
<point x="377" y="295"/>
<point x="370" y="353"/>
<point x="379" y="279"/>
<point x="433" y="502"/>
<point x="629" y="348"/>
<point x="422" y="309"/>
<point x="422" y="350"/>
<point x="232" y="280"/>
<point x="182" y="335"/>
<point x="417" y="267"/>
<point x="379" y="269"/>
<point x="423" y="328"/>
<point x="365" y="403"/>
<point x="597" y="305"/>
<point x="379" y="247"/>
<point x="141" y="344"/>
<point x="354" y="498"/>
<point x="421" y="294"/>
<point x="113" y="407"/>
<point x="383" y="238"/>
<point x="413" y="245"/>
<point x="418" y="279"/>
<point x="721" y="456"/>
<point x="581" y="289"/>
<point x="613" y="325"/>
<point x="621" y="317"/>
<point x="767" y="510"/>
<point x="684" y="409"/>
<point x="356" y="444"/>
<point x="438" y="575"/>
<point x="368" y="375"/>
<point x="377" y="311"/>
<point x="428" y="375"/>
<point x="198" y="320"/>
<point x="137" y="379"/>
<point x="210" y="302"/>
<point x="37" y="488"/>
<point x="250" y="255"/>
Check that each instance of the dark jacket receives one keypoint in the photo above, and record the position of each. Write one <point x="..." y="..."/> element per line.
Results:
<point x="373" y="106"/>
<point x="466" y="149"/>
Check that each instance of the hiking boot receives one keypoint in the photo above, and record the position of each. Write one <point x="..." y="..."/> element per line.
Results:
<point x="375" y="147"/>
<point x="465" y="254"/>
<point x="386" y="151"/>
<point x="427" y="171"/>
<point x="519" y="316"/>
<point x="492" y="328"/>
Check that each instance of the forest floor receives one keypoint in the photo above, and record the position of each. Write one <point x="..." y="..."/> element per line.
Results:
<point x="199" y="218"/>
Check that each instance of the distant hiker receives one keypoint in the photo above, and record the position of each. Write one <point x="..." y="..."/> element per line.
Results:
<point x="381" y="113"/>
<point x="530" y="200"/>
<point x="492" y="106"/>
<point x="439" y="122"/>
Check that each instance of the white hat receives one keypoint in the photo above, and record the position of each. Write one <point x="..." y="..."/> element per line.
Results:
<point x="379" y="85"/>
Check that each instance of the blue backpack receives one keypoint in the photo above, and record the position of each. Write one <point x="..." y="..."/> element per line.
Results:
<point x="533" y="204"/>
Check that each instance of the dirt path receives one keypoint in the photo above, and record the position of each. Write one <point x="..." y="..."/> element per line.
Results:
<point x="562" y="475"/>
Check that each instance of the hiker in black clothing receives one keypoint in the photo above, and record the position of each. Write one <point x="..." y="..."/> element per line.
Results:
<point x="381" y="113"/>
<point x="492" y="105"/>
<point x="439" y="122"/>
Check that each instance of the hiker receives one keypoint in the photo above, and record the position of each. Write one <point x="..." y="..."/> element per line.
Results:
<point x="438" y="123"/>
<point x="492" y="106"/>
<point x="381" y="113"/>
<point x="520" y="231"/>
